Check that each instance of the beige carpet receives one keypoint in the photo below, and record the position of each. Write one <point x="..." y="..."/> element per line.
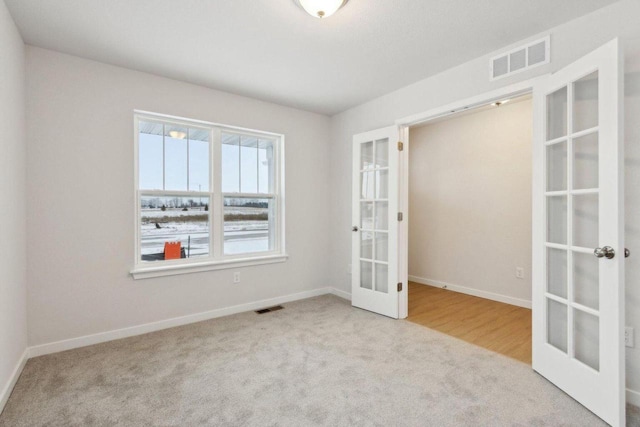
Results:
<point x="317" y="362"/>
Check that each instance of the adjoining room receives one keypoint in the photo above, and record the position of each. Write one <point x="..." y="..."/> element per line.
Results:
<point x="470" y="226"/>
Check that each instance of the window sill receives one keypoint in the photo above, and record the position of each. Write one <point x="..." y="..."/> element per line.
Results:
<point x="172" y="270"/>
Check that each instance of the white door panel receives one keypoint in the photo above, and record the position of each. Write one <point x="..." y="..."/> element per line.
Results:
<point x="578" y="206"/>
<point x="375" y="221"/>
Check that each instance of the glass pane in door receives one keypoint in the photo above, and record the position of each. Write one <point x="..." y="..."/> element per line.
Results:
<point x="382" y="216"/>
<point x="585" y="102"/>
<point x="585" y="220"/>
<point x="382" y="184"/>
<point x="374" y="215"/>
<point x="572" y="219"/>
<point x="366" y="245"/>
<point x="557" y="166"/>
<point x="585" y="162"/>
<point x="382" y="279"/>
<point x="366" y="274"/>
<point x="366" y="215"/>
<point x="586" y="280"/>
<point x="557" y="219"/>
<point x="586" y="330"/>
<point x="382" y="153"/>
<point x="557" y="114"/>
<point x="382" y="247"/>
<point x="557" y="272"/>
<point x="367" y="183"/>
<point x="557" y="324"/>
<point x="366" y="155"/>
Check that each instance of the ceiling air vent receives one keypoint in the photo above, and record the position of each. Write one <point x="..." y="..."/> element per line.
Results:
<point x="521" y="58"/>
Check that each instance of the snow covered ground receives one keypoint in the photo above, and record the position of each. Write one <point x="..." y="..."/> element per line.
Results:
<point x="193" y="234"/>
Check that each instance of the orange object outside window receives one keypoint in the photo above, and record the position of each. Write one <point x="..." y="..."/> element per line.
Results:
<point x="171" y="250"/>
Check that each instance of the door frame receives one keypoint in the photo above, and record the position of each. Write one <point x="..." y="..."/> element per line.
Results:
<point x="509" y="91"/>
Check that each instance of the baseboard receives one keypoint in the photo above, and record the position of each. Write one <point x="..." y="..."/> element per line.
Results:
<point x="633" y="397"/>
<point x="13" y="379"/>
<point x="470" y="291"/>
<point x="55" y="347"/>
<point x="341" y="294"/>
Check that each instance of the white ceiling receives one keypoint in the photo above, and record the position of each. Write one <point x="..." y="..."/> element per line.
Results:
<point x="272" y="50"/>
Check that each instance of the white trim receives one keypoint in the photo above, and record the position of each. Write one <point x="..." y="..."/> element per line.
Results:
<point x="340" y="293"/>
<point x="510" y="91"/>
<point x="174" y="269"/>
<point x="403" y="226"/>
<point x="486" y="98"/>
<point x="633" y="397"/>
<point x="13" y="379"/>
<point x="69" y="344"/>
<point x="471" y="291"/>
<point x="202" y="123"/>
<point x="216" y="258"/>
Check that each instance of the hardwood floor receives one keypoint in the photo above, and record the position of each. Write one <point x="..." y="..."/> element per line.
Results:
<point x="496" y="326"/>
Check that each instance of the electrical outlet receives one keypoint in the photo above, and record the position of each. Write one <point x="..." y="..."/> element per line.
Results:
<point x="236" y="277"/>
<point x="519" y="272"/>
<point x="628" y="336"/>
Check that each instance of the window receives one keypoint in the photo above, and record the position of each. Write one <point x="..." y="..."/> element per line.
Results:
<point x="207" y="196"/>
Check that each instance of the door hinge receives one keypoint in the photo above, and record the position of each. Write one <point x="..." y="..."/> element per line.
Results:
<point x="399" y="216"/>
<point x="400" y="287"/>
<point x="400" y="146"/>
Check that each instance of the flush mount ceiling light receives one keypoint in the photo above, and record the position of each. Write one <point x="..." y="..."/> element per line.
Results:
<point x="176" y="134"/>
<point x="321" y="8"/>
<point x="499" y="103"/>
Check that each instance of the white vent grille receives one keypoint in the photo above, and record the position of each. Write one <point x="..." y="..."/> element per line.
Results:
<point x="521" y="58"/>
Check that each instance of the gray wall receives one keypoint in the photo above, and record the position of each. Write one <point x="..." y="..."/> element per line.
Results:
<point x="81" y="199"/>
<point x="569" y="42"/>
<point x="13" y="285"/>
<point x="470" y="202"/>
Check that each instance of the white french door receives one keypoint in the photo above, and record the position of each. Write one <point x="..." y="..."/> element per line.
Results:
<point x="374" y="285"/>
<point x="578" y="234"/>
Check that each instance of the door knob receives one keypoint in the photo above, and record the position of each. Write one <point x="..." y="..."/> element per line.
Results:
<point x="604" y="252"/>
<point x="354" y="228"/>
<point x="627" y="253"/>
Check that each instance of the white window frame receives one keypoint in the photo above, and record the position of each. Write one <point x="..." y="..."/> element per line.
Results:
<point x="217" y="259"/>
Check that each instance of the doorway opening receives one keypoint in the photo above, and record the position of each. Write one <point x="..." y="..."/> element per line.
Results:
<point x="469" y="228"/>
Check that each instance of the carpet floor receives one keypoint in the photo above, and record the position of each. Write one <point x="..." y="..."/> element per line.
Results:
<point x="317" y="362"/>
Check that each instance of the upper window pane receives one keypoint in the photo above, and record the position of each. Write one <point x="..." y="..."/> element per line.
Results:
<point x="265" y="167"/>
<point x="175" y="158"/>
<point x="249" y="164"/>
<point x="150" y="156"/>
<point x="230" y="163"/>
<point x="198" y="160"/>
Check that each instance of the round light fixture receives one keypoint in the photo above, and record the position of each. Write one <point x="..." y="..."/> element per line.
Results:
<point x="499" y="103"/>
<point x="176" y="134"/>
<point x="321" y="8"/>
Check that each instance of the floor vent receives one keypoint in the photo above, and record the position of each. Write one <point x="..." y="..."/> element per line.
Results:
<point x="270" y="309"/>
<point x="522" y="58"/>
